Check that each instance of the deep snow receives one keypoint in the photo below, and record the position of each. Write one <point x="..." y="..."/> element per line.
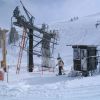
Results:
<point x="35" y="86"/>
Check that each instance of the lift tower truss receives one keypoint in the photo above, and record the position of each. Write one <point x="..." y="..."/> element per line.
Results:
<point x="28" y="25"/>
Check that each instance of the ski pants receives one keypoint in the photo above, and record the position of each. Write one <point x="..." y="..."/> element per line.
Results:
<point x="60" y="70"/>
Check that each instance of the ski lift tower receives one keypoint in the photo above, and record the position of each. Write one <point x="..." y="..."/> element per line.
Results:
<point x="29" y="27"/>
<point x="21" y="21"/>
<point x="48" y="46"/>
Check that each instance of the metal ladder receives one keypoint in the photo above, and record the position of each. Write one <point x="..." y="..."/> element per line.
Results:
<point x="22" y="46"/>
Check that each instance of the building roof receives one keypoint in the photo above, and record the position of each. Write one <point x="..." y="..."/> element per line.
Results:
<point x="84" y="46"/>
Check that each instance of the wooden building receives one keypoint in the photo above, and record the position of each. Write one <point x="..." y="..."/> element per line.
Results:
<point x="84" y="58"/>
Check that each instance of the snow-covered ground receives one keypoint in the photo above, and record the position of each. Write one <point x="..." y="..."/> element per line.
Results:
<point x="48" y="86"/>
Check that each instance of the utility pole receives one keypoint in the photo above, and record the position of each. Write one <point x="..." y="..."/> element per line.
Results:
<point x="31" y="64"/>
<point x="27" y="25"/>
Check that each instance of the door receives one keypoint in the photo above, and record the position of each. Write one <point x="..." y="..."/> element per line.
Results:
<point x="84" y="59"/>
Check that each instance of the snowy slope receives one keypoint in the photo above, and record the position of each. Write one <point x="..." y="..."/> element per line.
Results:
<point x="82" y="31"/>
<point x="48" y="86"/>
<point x="79" y="32"/>
<point x="34" y="86"/>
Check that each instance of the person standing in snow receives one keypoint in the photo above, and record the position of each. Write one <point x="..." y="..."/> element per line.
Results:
<point x="60" y="65"/>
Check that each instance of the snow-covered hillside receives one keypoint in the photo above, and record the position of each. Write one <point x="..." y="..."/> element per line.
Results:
<point x="79" y="32"/>
<point x="48" y="86"/>
<point x="82" y="31"/>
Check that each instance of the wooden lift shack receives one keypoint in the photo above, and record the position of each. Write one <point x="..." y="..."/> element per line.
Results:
<point x="84" y="58"/>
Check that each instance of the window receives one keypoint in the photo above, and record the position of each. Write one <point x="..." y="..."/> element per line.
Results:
<point x="76" y="53"/>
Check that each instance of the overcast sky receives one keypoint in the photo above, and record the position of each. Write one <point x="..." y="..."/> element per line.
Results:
<point x="48" y="11"/>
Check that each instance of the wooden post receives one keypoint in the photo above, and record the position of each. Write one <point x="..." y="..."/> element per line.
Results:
<point x="7" y="74"/>
<point x="4" y="51"/>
